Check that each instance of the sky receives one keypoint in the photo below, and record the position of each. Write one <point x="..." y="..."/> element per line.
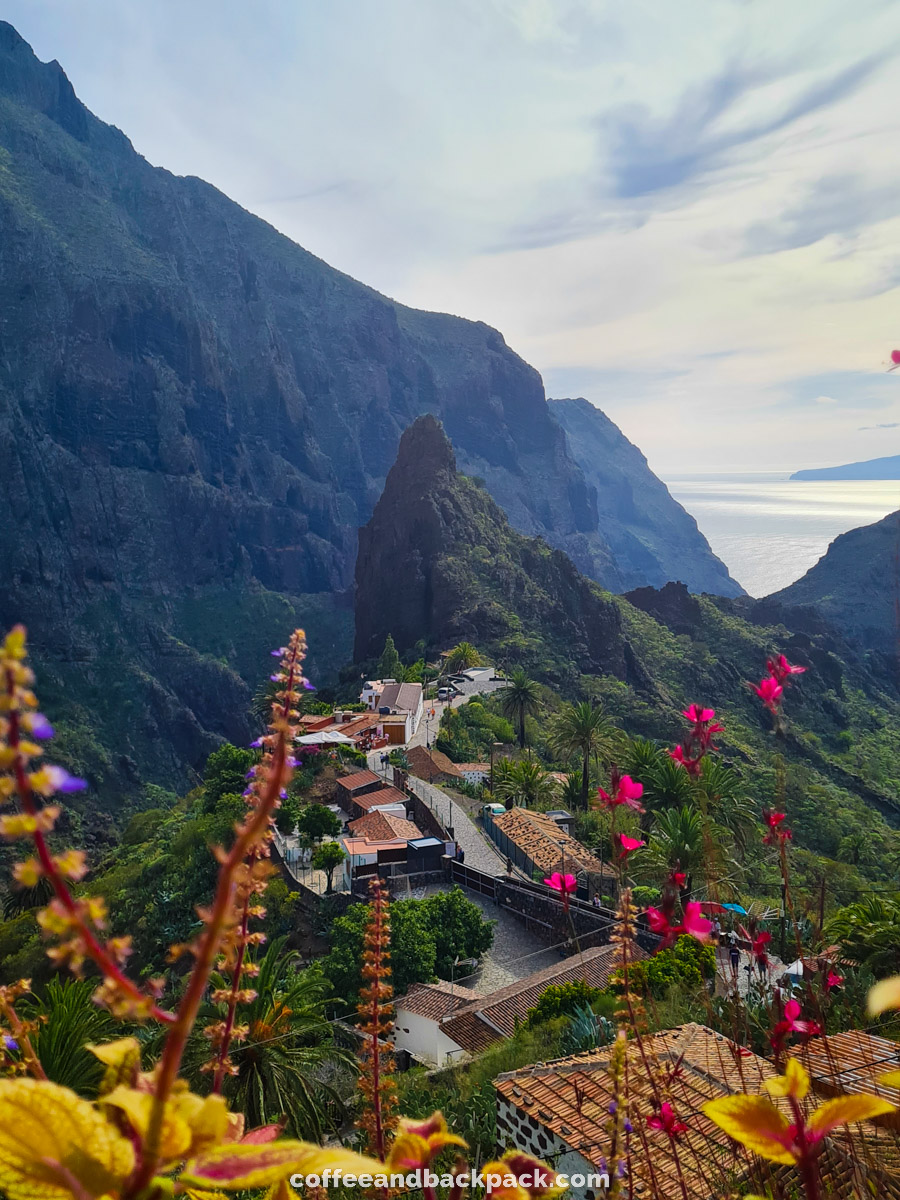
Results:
<point x="687" y="212"/>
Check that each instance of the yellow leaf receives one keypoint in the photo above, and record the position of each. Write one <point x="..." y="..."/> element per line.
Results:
<point x="175" y="1136"/>
<point x="122" y="1059"/>
<point x="884" y="995"/>
<point x="794" y="1082"/>
<point x="754" y="1122"/>
<point x="892" y="1079"/>
<point x="207" y="1118"/>
<point x="847" y="1110"/>
<point x="51" y="1139"/>
<point x="245" y="1165"/>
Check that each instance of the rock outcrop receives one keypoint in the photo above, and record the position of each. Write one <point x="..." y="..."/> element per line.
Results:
<point x="855" y="586"/>
<point x="439" y="562"/>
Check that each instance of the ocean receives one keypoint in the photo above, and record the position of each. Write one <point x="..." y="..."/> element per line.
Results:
<point x="769" y="531"/>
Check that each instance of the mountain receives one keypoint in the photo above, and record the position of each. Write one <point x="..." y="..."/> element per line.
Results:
<point x="873" y="468"/>
<point x="196" y="416"/>
<point x="438" y="561"/>
<point x="652" y="539"/>
<point x="855" y="586"/>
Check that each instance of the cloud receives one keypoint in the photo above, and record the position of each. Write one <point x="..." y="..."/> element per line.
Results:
<point x="883" y="425"/>
<point x="835" y="205"/>
<point x="825" y="400"/>
<point x="649" y="154"/>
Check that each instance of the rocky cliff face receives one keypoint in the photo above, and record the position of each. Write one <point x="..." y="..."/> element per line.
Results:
<point x="196" y="415"/>
<point x="651" y="538"/>
<point x="855" y="586"/>
<point x="439" y="562"/>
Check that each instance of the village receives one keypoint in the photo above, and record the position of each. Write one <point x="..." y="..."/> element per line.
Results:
<point x="416" y="820"/>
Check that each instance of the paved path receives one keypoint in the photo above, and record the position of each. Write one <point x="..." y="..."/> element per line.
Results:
<point x="727" y="977"/>
<point x="480" y="852"/>
<point x="515" y="954"/>
<point x="428" y="726"/>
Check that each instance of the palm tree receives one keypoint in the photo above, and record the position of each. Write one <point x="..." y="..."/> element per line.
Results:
<point x="867" y="931"/>
<point x="462" y="656"/>
<point x="525" y="783"/>
<point x="289" y="1065"/>
<point x="67" y="1019"/>
<point x="583" y="729"/>
<point x="679" y="841"/>
<point x="518" y="700"/>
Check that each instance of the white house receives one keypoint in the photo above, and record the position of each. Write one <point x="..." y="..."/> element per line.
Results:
<point x="371" y="690"/>
<point x="403" y="699"/>
<point x="418" y="1016"/>
<point x="474" y="773"/>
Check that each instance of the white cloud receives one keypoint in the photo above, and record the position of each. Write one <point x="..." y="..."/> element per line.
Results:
<point x="690" y="213"/>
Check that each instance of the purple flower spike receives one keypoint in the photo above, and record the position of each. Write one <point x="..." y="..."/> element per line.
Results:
<point x="309" y="686"/>
<point x="613" y="1108"/>
<point x="283" y="793"/>
<point x="620" y="1169"/>
<point x="40" y="726"/>
<point x="627" y="1126"/>
<point x="10" y="1043"/>
<point x="64" y="782"/>
<point x="280" y="653"/>
<point x="247" y="792"/>
<point x="256" y="745"/>
<point x="250" y="773"/>
<point x="279" y="678"/>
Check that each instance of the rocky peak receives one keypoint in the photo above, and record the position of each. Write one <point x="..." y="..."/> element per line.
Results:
<point x="425" y="459"/>
<point x="42" y="86"/>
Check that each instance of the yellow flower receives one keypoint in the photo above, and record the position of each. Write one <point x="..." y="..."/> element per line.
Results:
<point x="418" y="1142"/>
<point x="794" y="1082"/>
<point x="518" y="1176"/>
<point x="56" y="1146"/>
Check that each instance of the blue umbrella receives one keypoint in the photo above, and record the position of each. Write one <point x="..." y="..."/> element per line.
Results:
<point x="738" y="908"/>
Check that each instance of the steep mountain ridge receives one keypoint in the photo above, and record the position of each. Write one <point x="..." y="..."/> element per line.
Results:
<point x="855" y="586"/>
<point x="196" y="415"/>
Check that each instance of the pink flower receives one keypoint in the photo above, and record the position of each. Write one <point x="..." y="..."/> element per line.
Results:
<point x="562" y="883"/>
<point x="770" y="692"/>
<point x="758" y="945"/>
<point x="695" y="923"/>
<point x="780" y="669"/>
<point x="677" y="755"/>
<point x="697" y="715"/>
<point x="791" y="1023"/>
<point x="833" y="981"/>
<point x="665" y="1121"/>
<point x="629" y="844"/>
<point x="628" y="792"/>
<point x="778" y="834"/>
<point x="895" y="359"/>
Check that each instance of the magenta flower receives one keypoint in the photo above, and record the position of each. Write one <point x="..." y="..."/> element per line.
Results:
<point x="629" y="844"/>
<point x="562" y="883"/>
<point x="770" y="692"/>
<point x="697" y="715"/>
<point x="628" y="792"/>
<point x="833" y="980"/>
<point x="694" y="925"/>
<point x="895" y="359"/>
<point x="778" y="832"/>
<point x="666" y="1122"/>
<point x="780" y="669"/>
<point x="791" y="1023"/>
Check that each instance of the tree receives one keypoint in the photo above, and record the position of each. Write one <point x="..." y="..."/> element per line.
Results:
<point x="417" y="926"/>
<point x="867" y="931"/>
<point x="287" y="816"/>
<point x="225" y="774"/>
<point x="461" y="657"/>
<point x="287" y="1062"/>
<point x="518" y="700"/>
<point x="67" y="1020"/>
<point x="389" y="665"/>
<point x="328" y="857"/>
<point x="525" y="783"/>
<point x="317" y="821"/>
<point x="679" y="840"/>
<point x="583" y="729"/>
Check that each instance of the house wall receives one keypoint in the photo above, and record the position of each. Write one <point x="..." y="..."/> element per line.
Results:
<point x="523" y="1131"/>
<point x="424" y="1039"/>
<point x="476" y="777"/>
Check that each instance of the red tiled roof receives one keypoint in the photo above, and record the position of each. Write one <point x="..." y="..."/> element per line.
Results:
<point x="359" y="779"/>
<point x="430" y="764"/>
<point x="434" y="1000"/>
<point x="547" y="845"/>
<point x="380" y="826"/>
<point x="384" y="795"/>
<point x="570" y="1097"/>
<point x="501" y="1012"/>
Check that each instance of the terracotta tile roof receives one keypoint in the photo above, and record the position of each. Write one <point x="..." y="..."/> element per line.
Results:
<point x="383" y="795"/>
<point x="501" y="1012"/>
<point x="434" y="1000"/>
<point x="380" y="826"/>
<point x="358" y="780"/>
<point x="853" y="1062"/>
<point x="430" y="764"/>
<point x="571" y="1097"/>
<point x="463" y="767"/>
<point x="403" y="696"/>
<point x="547" y="845"/>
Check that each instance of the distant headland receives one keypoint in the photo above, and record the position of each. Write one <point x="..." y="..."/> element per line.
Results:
<point x="874" y="468"/>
